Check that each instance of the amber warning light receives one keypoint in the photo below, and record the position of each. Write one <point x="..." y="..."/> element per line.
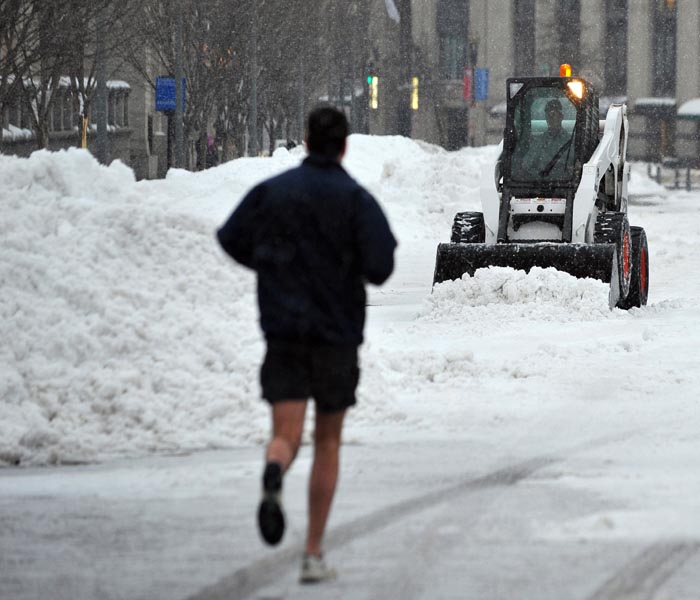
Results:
<point x="565" y="70"/>
<point x="577" y="88"/>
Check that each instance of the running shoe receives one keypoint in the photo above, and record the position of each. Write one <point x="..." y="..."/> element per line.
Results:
<point x="270" y="514"/>
<point x="315" y="570"/>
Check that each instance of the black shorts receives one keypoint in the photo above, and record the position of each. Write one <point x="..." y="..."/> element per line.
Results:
<point x="299" y="370"/>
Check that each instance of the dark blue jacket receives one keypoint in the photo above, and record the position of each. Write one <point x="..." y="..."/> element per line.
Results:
<point x="314" y="236"/>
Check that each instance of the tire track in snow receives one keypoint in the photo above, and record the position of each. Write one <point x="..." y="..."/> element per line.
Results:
<point x="244" y="582"/>
<point x="641" y="578"/>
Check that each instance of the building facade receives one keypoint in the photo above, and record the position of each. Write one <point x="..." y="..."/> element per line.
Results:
<point x="643" y="52"/>
<point x="441" y="69"/>
<point x="64" y="122"/>
<point x="136" y="132"/>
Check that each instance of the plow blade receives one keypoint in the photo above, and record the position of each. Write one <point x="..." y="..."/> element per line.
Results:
<point x="597" y="261"/>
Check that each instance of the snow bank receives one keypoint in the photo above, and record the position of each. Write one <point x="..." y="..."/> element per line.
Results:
<point x="116" y="317"/>
<point x="422" y="186"/>
<point x="641" y="185"/>
<point x="127" y="331"/>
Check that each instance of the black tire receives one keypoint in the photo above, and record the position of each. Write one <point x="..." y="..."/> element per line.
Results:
<point x="613" y="228"/>
<point x="468" y="228"/>
<point x="639" y="282"/>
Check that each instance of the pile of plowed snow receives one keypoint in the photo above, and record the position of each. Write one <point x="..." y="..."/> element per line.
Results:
<point x="117" y="324"/>
<point x="542" y="293"/>
<point x="126" y="330"/>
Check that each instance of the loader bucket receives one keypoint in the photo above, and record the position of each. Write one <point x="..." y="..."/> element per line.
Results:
<point x="597" y="261"/>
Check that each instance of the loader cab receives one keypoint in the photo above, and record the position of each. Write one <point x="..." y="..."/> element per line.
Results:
<point x="551" y="131"/>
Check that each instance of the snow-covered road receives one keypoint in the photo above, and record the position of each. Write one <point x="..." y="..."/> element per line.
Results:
<point x="514" y="437"/>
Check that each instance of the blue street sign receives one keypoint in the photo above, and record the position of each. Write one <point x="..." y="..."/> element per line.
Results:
<point x="481" y="84"/>
<point x="166" y="90"/>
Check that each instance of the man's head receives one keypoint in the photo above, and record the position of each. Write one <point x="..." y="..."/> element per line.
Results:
<point x="326" y="132"/>
<point x="554" y="114"/>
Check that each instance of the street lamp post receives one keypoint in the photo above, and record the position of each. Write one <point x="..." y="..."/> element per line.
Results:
<point x="179" y="92"/>
<point x="302" y="93"/>
<point x="101" y="91"/>
<point x="254" y="85"/>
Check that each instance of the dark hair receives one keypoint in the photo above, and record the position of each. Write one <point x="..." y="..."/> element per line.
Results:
<point x="326" y="131"/>
<point x="553" y="106"/>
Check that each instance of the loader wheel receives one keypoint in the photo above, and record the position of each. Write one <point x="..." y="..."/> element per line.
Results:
<point x="468" y="228"/>
<point x="639" y="282"/>
<point x="613" y="228"/>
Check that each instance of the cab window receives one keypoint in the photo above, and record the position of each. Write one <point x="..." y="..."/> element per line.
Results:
<point x="544" y="122"/>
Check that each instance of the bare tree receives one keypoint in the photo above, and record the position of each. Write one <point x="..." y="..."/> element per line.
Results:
<point x="83" y="18"/>
<point x="311" y="50"/>
<point x="209" y="52"/>
<point x="50" y="44"/>
<point x="305" y="47"/>
<point x="15" y="19"/>
<point x="42" y="51"/>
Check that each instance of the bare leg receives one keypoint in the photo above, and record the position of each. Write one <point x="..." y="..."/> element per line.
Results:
<point x="324" y="475"/>
<point x="287" y="427"/>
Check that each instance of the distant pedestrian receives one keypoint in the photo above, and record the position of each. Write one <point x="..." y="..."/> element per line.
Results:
<point x="212" y="158"/>
<point x="314" y="236"/>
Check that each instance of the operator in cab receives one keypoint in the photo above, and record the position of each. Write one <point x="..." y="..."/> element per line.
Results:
<point x="550" y="155"/>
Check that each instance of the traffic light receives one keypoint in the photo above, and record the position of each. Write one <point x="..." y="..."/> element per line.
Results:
<point x="374" y="92"/>
<point x="369" y="72"/>
<point x="372" y="86"/>
<point x="414" y="93"/>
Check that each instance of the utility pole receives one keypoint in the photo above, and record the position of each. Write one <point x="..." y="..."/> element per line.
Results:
<point x="101" y="91"/>
<point x="302" y="93"/>
<point x="405" y="69"/>
<point x="179" y="91"/>
<point x="253" y="149"/>
<point x="353" y="71"/>
<point x="353" y="116"/>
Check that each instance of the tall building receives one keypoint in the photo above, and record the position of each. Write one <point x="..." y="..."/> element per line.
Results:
<point x="460" y="52"/>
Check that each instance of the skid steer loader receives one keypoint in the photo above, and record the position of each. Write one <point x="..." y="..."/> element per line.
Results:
<point x="557" y="196"/>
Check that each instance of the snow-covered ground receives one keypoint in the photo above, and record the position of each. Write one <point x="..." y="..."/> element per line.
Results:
<point x="543" y="424"/>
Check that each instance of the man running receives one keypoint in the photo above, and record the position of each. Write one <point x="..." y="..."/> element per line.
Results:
<point x="314" y="236"/>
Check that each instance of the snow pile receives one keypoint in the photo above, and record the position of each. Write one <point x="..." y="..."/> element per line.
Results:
<point x="542" y="293"/>
<point x="127" y="331"/>
<point x="421" y="186"/>
<point x="116" y="318"/>
<point x="48" y="175"/>
<point x="641" y="185"/>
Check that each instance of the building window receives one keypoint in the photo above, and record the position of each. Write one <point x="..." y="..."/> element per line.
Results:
<point x="524" y="37"/>
<point x="11" y="111"/>
<point x="119" y="109"/>
<point x="67" y="111"/>
<point x="616" y="47"/>
<point x="56" y="108"/>
<point x="92" y="111"/>
<point x="25" y="115"/>
<point x="568" y="19"/>
<point x="150" y="134"/>
<point x="664" y="40"/>
<point x="453" y="32"/>
<point x="110" y="109"/>
<point x="16" y="111"/>
<point x="126" y="109"/>
<point x="453" y="56"/>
